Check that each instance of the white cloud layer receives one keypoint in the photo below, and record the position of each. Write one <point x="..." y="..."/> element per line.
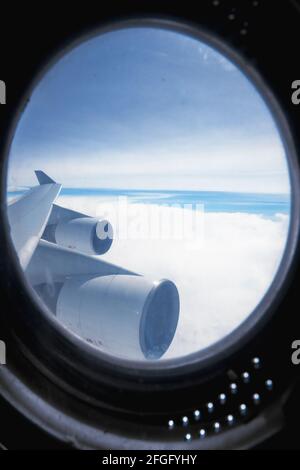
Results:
<point x="220" y="279"/>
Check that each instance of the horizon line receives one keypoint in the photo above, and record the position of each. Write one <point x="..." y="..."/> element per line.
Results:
<point x="165" y="190"/>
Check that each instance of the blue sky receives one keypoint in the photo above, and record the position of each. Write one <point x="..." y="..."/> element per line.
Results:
<point x="153" y="109"/>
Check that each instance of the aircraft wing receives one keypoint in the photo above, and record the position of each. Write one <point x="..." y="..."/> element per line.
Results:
<point x="109" y="306"/>
<point x="28" y="216"/>
<point x="53" y="263"/>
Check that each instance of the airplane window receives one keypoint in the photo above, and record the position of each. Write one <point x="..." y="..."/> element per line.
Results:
<point x="148" y="193"/>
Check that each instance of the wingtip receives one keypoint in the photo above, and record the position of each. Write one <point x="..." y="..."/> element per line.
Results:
<point x="43" y="178"/>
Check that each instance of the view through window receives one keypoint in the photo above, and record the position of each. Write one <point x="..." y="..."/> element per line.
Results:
<point x="148" y="193"/>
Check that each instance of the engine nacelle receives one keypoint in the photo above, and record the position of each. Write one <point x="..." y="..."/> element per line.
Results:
<point x="126" y="315"/>
<point x="86" y="234"/>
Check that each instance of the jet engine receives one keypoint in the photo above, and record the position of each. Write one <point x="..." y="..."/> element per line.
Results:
<point x="126" y="315"/>
<point x="111" y="307"/>
<point x="86" y="234"/>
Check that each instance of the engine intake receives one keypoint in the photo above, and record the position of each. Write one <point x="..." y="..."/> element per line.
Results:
<point x="86" y="234"/>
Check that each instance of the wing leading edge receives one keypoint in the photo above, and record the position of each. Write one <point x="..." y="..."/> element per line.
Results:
<point x="28" y="217"/>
